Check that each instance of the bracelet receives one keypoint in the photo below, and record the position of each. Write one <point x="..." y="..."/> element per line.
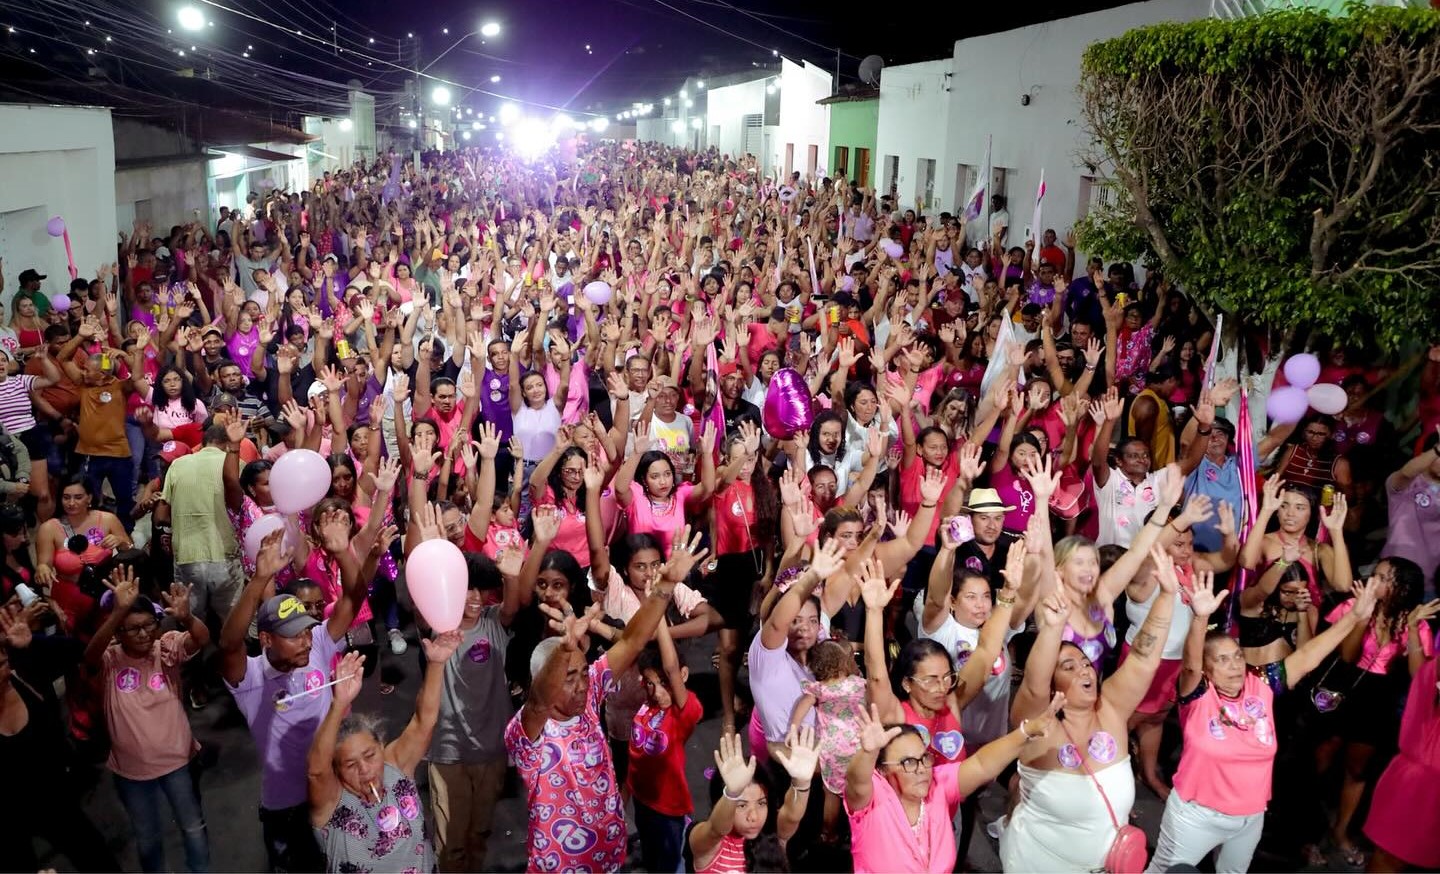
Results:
<point x="733" y="799"/>
<point x="1162" y="524"/>
<point x="1027" y="735"/>
<point x="420" y="477"/>
<point x="1206" y="432"/>
<point x="799" y="790"/>
<point x="1001" y="599"/>
<point x="928" y="506"/>
<point x="1090" y="367"/>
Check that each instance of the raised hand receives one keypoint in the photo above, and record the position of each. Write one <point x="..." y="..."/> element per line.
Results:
<point x="932" y="486"/>
<point x="828" y="558"/>
<point x="387" y="474"/>
<point x="1204" y="600"/>
<point x="685" y="553"/>
<point x="1164" y="569"/>
<point x="509" y="561"/>
<point x="441" y="647"/>
<point x="802" y="753"/>
<point x="177" y="602"/>
<point x="1042" y="480"/>
<point x="335" y="531"/>
<point x="1039" y="727"/>
<point x="350" y="677"/>
<point x="1054" y="611"/>
<point x="873" y="733"/>
<point x="1366" y="596"/>
<point x="874" y="589"/>
<point x="1270" y="495"/>
<point x="1334" y="518"/>
<point x="736" y="771"/>
<point x="1226" y="525"/>
<point x="273" y="555"/>
<point x="489" y="446"/>
<point x="1197" y="510"/>
<point x="546" y="523"/>
<point x="123" y="583"/>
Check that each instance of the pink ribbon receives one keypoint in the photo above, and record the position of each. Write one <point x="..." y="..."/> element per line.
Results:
<point x="70" y="256"/>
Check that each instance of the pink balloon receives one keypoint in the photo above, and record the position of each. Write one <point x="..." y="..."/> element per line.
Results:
<point x="598" y="292"/>
<point x="264" y="527"/>
<point x="1286" y="405"/>
<point x="1302" y="370"/>
<point x="60" y="302"/>
<point x="55" y="227"/>
<point x="299" y="480"/>
<point x="787" y="405"/>
<point x="892" y="248"/>
<point x="1327" y="398"/>
<point x="438" y="578"/>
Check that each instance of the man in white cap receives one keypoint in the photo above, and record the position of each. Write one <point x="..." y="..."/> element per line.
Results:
<point x="986" y="553"/>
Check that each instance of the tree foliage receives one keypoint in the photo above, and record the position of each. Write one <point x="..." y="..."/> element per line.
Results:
<point x="1284" y="167"/>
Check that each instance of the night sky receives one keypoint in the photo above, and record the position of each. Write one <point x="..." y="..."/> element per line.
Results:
<point x="639" y="50"/>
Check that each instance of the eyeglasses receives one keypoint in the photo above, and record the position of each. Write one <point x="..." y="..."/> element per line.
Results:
<point x="573" y="471"/>
<point x="935" y="684"/>
<point x="911" y="764"/>
<point x="143" y="628"/>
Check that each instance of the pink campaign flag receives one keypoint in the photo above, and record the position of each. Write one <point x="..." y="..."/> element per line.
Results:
<point x="1036" y="231"/>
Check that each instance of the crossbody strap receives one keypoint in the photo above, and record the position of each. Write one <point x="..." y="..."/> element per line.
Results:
<point x="1091" y="774"/>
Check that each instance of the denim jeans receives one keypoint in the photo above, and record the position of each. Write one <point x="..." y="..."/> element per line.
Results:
<point x="120" y="473"/>
<point x="661" y="839"/>
<point x="142" y="802"/>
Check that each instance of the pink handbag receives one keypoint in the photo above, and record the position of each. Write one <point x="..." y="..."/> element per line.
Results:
<point x="1128" y="852"/>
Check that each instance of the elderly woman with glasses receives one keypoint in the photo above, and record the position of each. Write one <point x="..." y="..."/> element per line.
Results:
<point x="901" y="802"/>
<point x="151" y="744"/>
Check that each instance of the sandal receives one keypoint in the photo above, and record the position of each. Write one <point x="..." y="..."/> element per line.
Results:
<point x="1354" y="856"/>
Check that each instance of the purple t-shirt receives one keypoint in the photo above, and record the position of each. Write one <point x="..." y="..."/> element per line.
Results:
<point x="495" y="402"/>
<point x="373" y="388"/>
<point x="777" y="681"/>
<point x="283" y="731"/>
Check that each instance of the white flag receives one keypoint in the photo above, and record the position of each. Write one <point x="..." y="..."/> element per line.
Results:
<point x="1003" y="341"/>
<point x="976" y="204"/>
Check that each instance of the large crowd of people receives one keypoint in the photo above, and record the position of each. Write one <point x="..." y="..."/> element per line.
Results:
<point x="951" y="508"/>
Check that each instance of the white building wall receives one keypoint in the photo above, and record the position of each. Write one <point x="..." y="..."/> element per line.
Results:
<point x="804" y="124"/>
<point x="914" y="121"/>
<point x="163" y="195"/>
<point x="56" y="161"/>
<point x="727" y="108"/>
<point x="991" y="74"/>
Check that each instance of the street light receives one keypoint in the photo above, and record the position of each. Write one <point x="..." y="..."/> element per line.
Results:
<point x="509" y="113"/>
<point x="346" y="125"/>
<point x="412" y="124"/>
<point x="700" y="84"/>
<point x="677" y="127"/>
<point x="494" y="79"/>
<point x="696" y="123"/>
<point x="599" y="125"/>
<point x="191" y="18"/>
<point x="488" y="29"/>
<point x="441" y="95"/>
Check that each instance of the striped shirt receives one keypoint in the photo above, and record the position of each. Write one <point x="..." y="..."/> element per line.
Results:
<point x="16" y="412"/>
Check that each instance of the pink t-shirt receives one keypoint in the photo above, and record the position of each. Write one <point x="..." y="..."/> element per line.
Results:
<point x="149" y="732"/>
<point x="925" y="384"/>
<point x="882" y="838"/>
<point x="910" y="478"/>
<point x="326" y="573"/>
<point x="571" y="534"/>
<point x="1374" y="657"/>
<point x="577" y="821"/>
<point x="662" y="520"/>
<point x="1229" y="745"/>
<point x="577" y="394"/>
<point x="1014" y="492"/>
<point x="621" y="602"/>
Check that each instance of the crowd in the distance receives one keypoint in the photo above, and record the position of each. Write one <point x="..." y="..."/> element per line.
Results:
<point x="953" y="511"/>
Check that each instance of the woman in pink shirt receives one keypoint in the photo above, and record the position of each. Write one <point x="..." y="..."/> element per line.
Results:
<point x="1366" y="719"/>
<point x="646" y="487"/>
<point x="902" y="806"/>
<point x="1227" y="716"/>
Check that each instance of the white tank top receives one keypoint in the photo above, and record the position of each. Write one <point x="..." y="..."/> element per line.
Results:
<point x="1136" y="611"/>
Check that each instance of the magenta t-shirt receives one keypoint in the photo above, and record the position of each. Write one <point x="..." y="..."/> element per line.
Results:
<point x="662" y="520"/>
<point x="577" y="821"/>
<point x="1014" y="492"/>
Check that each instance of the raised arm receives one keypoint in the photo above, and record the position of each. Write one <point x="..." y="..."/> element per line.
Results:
<point x="409" y="749"/>
<point x="1308" y="656"/>
<point x="1130" y="681"/>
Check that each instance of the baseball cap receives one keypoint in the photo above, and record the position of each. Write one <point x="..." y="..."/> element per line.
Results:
<point x="727" y="368"/>
<point x="330" y="257"/>
<point x="211" y="329"/>
<point x="173" y="449"/>
<point x="30" y="276"/>
<point x="225" y="399"/>
<point x="285" y="615"/>
<point x="316" y="389"/>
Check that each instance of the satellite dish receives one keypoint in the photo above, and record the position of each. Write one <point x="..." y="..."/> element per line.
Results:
<point x="870" y="70"/>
